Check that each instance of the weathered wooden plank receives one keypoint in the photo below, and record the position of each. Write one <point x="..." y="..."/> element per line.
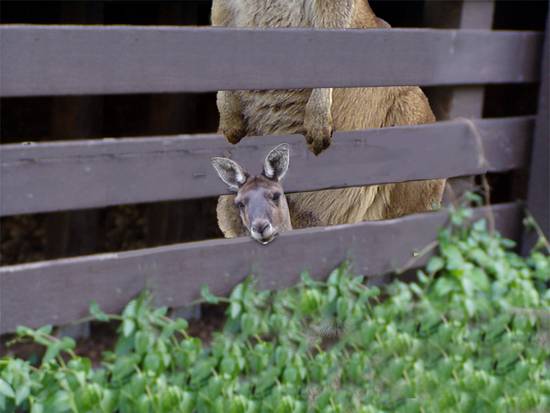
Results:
<point x="96" y="173"/>
<point x="52" y="60"/>
<point x="60" y="291"/>
<point x="538" y="199"/>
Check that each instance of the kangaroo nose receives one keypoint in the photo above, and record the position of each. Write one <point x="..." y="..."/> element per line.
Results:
<point x="261" y="226"/>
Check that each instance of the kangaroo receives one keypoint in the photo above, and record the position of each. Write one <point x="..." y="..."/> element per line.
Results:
<point x="316" y="113"/>
<point x="260" y="199"/>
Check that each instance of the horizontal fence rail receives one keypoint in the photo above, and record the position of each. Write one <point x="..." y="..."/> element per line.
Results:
<point x="97" y="173"/>
<point x="60" y="291"/>
<point x="65" y="60"/>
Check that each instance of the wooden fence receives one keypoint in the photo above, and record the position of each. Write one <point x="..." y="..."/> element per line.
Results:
<point x="60" y="60"/>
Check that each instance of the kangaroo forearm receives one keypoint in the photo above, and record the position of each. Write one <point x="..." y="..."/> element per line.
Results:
<point x="325" y="14"/>
<point x="332" y="14"/>
<point x="231" y="118"/>
<point x="221" y="14"/>
<point x="318" y="119"/>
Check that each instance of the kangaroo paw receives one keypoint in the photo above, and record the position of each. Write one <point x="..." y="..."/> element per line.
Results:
<point x="318" y="135"/>
<point x="233" y="134"/>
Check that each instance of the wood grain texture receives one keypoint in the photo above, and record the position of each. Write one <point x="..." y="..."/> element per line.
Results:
<point x="96" y="173"/>
<point x="64" y="60"/>
<point x="60" y="291"/>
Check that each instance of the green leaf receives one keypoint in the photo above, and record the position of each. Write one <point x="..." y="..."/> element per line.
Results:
<point x="508" y="243"/>
<point x="467" y="285"/>
<point x="131" y="308"/>
<point x="310" y="301"/>
<point x="152" y="362"/>
<point x="108" y="402"/>
<point x="67" y="343"/>
<point x="435" y="264"/>
<point x="47" y="329"/>
<point x="306" y="279"/>
<point x="24" y="331"/>
<point x="290" y="375"/>
<point x="454" y="257"/>
<point x="332" y="293"/>
<point x="342" y="308"/>
<point x="470" y="306"/>
<point x="234" y="309"/>
<point x="479" y="279"/>
<point x="249" y="323"/>
<point x="443" y="286"/>
<point x="474" y="198"/>
<point x="141" y="342"/>
<point x="128" y="327"/>
<point x="187" y="403"/>
<point x="37" y="407"/>
<point x="228" y="365"/>
<point x="124" y="366"/>
<point x="59" y="402"/>
<point x="208" y="296"/>
<point x="480" y="226"/>
<point x="52" y="352"/>
<point x="267" y="379"/>
<point x="97" y="313"/>
<point x="334" y="277"/>
<point x="22" y="393"/>
<point x="201" y="371"/>
<point x="238" y="292"/>
<point x="6" y="389"/>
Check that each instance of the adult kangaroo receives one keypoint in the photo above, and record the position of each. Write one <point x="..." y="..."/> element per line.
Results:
<point x="316" y="113"/>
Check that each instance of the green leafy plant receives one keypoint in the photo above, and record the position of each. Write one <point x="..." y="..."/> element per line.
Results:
<point x="472" y="334"/>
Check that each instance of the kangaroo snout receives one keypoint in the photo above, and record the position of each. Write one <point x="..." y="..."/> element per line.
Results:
<point x="262" y="231"/>
<point x="261" y="226"/>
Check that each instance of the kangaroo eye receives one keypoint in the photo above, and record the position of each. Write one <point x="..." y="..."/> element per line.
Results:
<point x="276" y="196"/>
<point x="240" y="205"/>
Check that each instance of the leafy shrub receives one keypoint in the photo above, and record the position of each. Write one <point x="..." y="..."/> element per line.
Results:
<point x="471" y="335"/>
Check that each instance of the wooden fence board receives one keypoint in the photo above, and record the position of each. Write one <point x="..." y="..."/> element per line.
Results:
<point x="61" y="60"/>
<point x="60" y="291"/>
<point x="96" y="173"/>
<point x="84" y="174"/>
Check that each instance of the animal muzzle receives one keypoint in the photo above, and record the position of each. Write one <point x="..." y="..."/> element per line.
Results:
<point x="263" y="232"/>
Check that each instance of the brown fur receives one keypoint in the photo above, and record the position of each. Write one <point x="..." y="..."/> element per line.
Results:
<point x="316" y="113"/>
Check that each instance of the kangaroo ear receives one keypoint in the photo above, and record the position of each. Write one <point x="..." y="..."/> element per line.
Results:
<point x="230" y="172"/>
<point x="276" y="162"/>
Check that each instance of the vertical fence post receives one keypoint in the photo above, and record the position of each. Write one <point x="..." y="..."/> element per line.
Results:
<point x="75" y="117"/>
<point x="462" y="101"/>
<point x="538" y="198"/>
